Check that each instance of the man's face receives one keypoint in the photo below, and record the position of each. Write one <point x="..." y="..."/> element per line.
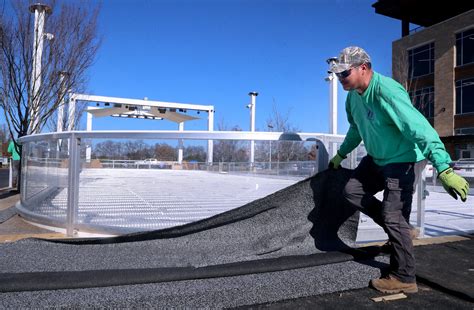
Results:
<point x="350" y="79"/>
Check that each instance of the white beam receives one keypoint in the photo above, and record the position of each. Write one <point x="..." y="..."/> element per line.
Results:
<point x="140" y="102"/>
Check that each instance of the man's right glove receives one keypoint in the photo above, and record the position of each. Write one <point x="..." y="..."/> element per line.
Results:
<point x="335" y="162"/>
<point x="454" y="184"/>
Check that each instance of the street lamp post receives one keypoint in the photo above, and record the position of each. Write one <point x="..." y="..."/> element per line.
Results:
<point x="251" y="106"/>
<point x="40" y="11"/>
<point x="332" y="79"/>
<point x="270" y="127"/>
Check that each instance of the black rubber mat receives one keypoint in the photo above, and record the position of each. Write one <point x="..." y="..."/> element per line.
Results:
<point x="37" y="281"/>
<point x="448" y="266"/>
<point x="426" y="298"/>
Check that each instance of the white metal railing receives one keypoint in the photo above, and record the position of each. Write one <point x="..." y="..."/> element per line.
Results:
<point x="69" y="166"/>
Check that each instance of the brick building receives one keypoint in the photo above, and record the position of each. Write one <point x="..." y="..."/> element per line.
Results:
<point x="435" y="62"/>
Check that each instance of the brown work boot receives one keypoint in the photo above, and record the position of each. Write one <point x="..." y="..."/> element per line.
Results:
<point x="390" y="284"/>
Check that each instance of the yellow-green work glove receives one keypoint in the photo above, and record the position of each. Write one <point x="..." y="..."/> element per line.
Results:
<point x="335" y="162"/>
<point x="454" y="184"/>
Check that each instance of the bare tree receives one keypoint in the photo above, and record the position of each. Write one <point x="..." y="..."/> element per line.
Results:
<point x="164" y="151"/>
<point x="404" y="74"/>
<point x="285" y="150"/>
<point x="401" y="69"/>
<point x="73" y="49"/>
<point x="230" y="150"/>
<point x="195" y="153"/>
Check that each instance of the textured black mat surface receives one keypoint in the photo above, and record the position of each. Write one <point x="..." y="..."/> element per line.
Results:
<point x="448" y="266"/>
<point x="426" y="298"/>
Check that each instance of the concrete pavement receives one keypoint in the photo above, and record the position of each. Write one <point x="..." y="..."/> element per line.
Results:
<point x="15" y="228"/>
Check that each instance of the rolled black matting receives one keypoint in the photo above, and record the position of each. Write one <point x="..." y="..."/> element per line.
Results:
<point x="448" y="267"/>
<point x="36" y="281"/>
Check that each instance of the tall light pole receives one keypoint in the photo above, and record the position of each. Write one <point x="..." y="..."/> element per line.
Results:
<point x="270" y="128"/>
<point x="40" y="11"/>
<point x="332" y="79"/>
<point x="253" y="95"/>
<point x="63" y="75"/>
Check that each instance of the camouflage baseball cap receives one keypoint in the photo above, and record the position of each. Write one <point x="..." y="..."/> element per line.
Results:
<point x="351" y="56"/>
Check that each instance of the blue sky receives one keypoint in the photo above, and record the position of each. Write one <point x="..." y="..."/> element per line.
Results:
<point x="214" y="52"/>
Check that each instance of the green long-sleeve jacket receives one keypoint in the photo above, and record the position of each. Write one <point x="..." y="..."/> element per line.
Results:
<point x="392" y="129"/>
<point x="12" y="151"/>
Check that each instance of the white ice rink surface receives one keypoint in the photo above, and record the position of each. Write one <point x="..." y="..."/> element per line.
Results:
<point x="443" y="216"/>
<point x="155" y="199"/>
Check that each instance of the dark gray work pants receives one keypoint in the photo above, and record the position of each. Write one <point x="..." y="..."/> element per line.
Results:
<point x="396" y="180"/>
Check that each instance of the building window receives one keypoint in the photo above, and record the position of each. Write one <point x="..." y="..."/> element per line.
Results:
<point x="465" y="47"/>
<point x="423" y="100"/>
<point x="464" y="150"/>
<point x="465" y="96"/>
<point x="464" y="131"/>
<point x="421" y="60"/>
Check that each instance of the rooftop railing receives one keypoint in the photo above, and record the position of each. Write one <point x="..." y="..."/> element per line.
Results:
<point x="67" y="183"/>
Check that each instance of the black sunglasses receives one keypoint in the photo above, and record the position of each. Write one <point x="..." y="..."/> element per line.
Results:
<point x="344" y="74"/>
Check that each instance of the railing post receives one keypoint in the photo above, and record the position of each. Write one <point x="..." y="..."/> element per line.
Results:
<point x="73" y="184"/>
<point x="25" y="149"/>
<point x="421" y="197"/>
<point x="10" y="176"/>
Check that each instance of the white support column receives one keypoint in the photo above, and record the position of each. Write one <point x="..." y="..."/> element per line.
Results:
<point x="181" y="145"/>
<point x="71" y="114"/>
<point x="251" y="106"/>
<point x="210" y="128"/>
<point x="40" y="11"/>
<point x="89" y="128"/>
<point x="89" y="121"/>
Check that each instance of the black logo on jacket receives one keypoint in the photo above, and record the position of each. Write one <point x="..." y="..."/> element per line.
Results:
<point x="370" y="115"/>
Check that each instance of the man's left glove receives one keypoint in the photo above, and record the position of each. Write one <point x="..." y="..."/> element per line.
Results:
<point x="454" y="184"/>
<point x="335" y="162"/>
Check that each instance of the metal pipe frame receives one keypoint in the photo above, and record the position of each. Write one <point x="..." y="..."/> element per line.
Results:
<point x="323" y="142"/>
<point x="186" y="135"/>
<point x="73" y="184"/>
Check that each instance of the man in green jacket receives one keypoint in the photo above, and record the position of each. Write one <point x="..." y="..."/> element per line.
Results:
<point x="12" y="149"/>
<point x="396" y="136"/>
